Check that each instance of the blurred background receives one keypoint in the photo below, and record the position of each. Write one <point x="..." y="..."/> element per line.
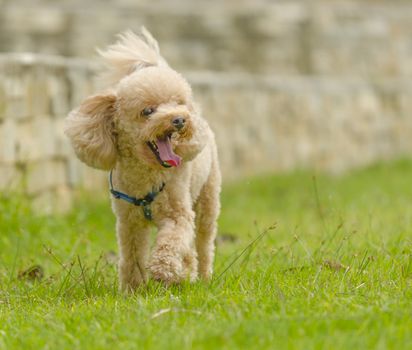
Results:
<point x="323" y="85"/>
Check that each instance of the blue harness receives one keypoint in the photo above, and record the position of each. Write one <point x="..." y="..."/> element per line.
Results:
<point x="140" y="202"/>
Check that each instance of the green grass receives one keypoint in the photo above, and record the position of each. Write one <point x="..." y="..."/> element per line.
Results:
<point x="335" y="272"/>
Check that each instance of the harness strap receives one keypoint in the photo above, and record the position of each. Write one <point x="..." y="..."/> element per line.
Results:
<point x="140" y="202"/>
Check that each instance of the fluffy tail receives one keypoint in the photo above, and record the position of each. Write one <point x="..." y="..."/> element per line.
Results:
<point x="129" y="53"/>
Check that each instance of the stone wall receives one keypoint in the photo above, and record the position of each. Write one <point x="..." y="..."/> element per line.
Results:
<point x="262" y="123"/>
<point x="329" y="124"/>
<point x="338" y="37"/>
<point x="36" y="92"/>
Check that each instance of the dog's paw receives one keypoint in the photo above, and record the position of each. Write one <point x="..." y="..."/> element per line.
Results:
<point x="173" y="269"/>
<point x="166" y="268"/>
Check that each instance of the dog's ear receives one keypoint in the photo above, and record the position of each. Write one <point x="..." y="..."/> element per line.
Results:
<point x="90" y="129"/>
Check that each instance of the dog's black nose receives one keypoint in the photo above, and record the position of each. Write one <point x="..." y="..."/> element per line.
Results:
<point x="178" y="122"/>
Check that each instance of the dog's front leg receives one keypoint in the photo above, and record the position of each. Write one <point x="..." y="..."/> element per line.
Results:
<point x="134" y="244"/>
<point x="174" y="258"/>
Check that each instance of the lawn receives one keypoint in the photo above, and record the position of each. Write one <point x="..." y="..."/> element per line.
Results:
<point x="303" y="262"/>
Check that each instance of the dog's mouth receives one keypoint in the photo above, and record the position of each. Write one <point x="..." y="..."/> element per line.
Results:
<point x="162" y="149"/>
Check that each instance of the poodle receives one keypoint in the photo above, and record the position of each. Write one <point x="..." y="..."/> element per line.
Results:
<point x="146" y="129"/>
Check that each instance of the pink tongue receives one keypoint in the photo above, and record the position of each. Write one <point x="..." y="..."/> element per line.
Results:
<point x="166" y="153"/>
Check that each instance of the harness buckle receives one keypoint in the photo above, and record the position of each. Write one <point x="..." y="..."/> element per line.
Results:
<point x="147" y="212"/>
<point x="141" y="202"/>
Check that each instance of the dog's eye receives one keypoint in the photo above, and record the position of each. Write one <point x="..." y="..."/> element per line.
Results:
<point x="147" y="111"/>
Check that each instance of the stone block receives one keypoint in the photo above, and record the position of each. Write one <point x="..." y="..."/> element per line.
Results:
<point x="36" y="140"/>
<point x="11" y="178"/>
<point x="81" y="176"/>
<point x="94" y="179"/>
<point x="62" y="144"/>
<point x="59" y="92"/>
<point x="38" y="91"/>
<point x="45" y="175"/>
<point x="81" y="83"/>
<point x="22" y="88"/>
<point x="74" y="170"/>
<point x="3" y="99"/>
<point x="42" y="20"/>
<point x="8" y="140"/>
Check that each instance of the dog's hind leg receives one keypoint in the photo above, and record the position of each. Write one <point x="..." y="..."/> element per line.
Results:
<point x="207" y="211"/>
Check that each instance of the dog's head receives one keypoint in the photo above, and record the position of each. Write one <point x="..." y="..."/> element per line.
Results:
<point x="148" y="116"/>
